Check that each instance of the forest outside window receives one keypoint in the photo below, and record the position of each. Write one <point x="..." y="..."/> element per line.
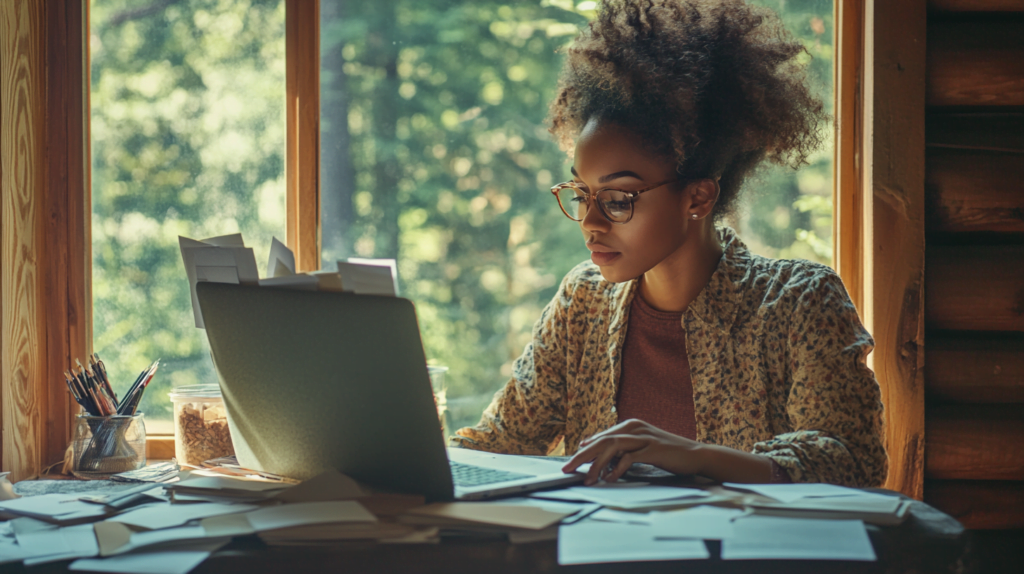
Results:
<point x="432" y="151"/>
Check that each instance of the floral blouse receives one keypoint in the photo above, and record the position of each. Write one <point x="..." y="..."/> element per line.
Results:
<point x="777" y="358"/>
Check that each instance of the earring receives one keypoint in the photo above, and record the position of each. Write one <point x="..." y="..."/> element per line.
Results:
<point x="693" y="216"/>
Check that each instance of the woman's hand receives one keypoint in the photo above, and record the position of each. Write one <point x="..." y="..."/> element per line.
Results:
<point x="614" y="450"/>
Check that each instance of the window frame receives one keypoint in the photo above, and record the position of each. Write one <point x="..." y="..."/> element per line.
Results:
<point x="50" y="324"/>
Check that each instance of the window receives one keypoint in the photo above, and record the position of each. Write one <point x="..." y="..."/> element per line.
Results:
<point x="432" y="151"/>
<point x="187" y="139"/>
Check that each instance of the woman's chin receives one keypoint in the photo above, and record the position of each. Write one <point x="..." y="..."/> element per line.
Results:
<point x="615" y="275"/>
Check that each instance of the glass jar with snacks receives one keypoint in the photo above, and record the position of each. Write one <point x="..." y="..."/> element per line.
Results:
<point x="200" y="424"/>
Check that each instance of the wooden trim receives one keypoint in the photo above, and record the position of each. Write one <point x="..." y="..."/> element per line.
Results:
<point x="974" y="191"/>
<point x="848" y="226"/>
<point x="976" y="287"/>
<point x="302" y="170"/>
<point x="23" y="177"/>
<point x="979" y="504"/>
<point x="975" y="368"/>
<point x="976" y="442"/>
<point x="975" y="5"/>
<point x="895" y="52"/>
<point x="68" y="310"/>
<point x="159" y="448"/>
<point x="45" y="252"/>
<point x="976" y="64"/>
<point x="995" y="132"/>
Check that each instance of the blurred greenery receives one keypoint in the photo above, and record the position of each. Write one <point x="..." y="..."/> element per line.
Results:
<point x="433" y="151"/>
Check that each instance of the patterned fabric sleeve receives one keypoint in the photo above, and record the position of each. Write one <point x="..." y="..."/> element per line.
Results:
<point x="834" y="404"/>
<point x="527" y="416"/>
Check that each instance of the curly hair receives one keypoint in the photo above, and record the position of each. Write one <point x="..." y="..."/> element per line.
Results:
<point x="713" y="84"/>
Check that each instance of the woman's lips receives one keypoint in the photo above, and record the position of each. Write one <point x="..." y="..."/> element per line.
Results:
<point x="602" y="255"/>
<point x="603" y="258"/>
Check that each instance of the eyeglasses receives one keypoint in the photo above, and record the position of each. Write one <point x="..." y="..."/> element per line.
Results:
<point x="615" y="205"/>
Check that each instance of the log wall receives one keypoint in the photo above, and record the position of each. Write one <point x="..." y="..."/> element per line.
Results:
<point x="974" y="264"/>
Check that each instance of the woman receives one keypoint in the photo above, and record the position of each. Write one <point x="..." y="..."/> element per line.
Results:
<point x="674" y="345"/>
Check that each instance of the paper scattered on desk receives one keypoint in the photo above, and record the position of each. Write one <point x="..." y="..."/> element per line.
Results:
<point x="703" y="522"/>
<point x="770" y="537"/>
<point x="56" y="507"/>
<point x="496" y="514"/>
<point x="223" y="259"/>
<point x="329" y="485"/>
<point x="797" y="491"/>
<point x="308" y="513"/>
<point x="592" y="542"/>
<point x="612" y="515"/>
<point x="178" y="560"/>
<point x="369" y="276"/>
<point x="622" y="494"/>
<point x="161" y="515"/>
<point x="6" y="488"/>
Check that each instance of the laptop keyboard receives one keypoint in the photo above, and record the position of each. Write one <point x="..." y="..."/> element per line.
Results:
<point x="469" y="475"/>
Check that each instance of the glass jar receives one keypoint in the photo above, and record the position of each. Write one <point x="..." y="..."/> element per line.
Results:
<point x="437" y="382"/>
<point x="102" y="446"/>
<point x="200" y="424"/>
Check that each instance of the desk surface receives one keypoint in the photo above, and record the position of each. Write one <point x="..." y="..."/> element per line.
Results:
<point x="929" y="541"/>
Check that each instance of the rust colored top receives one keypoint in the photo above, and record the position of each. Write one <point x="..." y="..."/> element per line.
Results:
<point x="655" y="383"/>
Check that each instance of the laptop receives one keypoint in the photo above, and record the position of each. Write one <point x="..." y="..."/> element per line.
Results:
<point x="317" y="380"/>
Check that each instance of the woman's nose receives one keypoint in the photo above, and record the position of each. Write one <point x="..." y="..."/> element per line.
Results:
<point x="593" y="220"/>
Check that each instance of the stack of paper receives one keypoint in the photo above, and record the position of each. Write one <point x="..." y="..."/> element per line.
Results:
<point x="55" y="508"/>
<point x="629" y="496"/>
<point x="825" y="501"/>
<point x="223" y="259"/>
<point x="196" y="487"/>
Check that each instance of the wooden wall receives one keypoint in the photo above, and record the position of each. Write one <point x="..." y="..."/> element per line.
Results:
<point x="974" y="267"/>
<point x="44" y="256"/>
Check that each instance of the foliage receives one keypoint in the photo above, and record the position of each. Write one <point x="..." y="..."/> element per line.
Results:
<point x="433" y="152"/>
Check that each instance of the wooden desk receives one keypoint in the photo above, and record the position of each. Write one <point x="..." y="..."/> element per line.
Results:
<point x="929" y="541"/>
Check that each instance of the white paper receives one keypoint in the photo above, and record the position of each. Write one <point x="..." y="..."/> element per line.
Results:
<point x="306" y="513"/>
<point x="59" y="507"/>
<point x="591" y="542"/>
<point x="702" y="522"/>
<point x="620" y="494"/>
<point x="222" y="259"/>
<point x="282" y="260"/>
<point x="180" y="560"/>
<point x="369" y="276"/>
<point x="62" y="544"/>
<point x="167" y="515"/>
<point x="770" y="537"/>
<point x="796" y="491"/>
<point x="611" y="515"/>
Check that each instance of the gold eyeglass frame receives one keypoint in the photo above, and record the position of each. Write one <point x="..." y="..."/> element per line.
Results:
<point x="592" y="198"/>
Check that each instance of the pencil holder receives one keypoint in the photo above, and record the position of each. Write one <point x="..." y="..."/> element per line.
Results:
<point x="103" y="446"/>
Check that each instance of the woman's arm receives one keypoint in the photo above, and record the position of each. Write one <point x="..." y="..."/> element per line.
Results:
<point x="527" y="416"/>
<point x="614" y="450"/>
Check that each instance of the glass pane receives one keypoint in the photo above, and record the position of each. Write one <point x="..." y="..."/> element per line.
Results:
<point x="187" y="139"/>
<point x="434" y="152"/>
<point x="784" y="213"/>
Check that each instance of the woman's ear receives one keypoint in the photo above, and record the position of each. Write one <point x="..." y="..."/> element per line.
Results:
<point x="703" y="196"/>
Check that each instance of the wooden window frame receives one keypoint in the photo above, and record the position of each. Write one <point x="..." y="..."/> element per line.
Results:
<point x="46" y="250"/>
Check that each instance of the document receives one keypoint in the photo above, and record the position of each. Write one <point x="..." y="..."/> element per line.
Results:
<point x="41" y="543"/>
<point x="55" y="507"/>
<point x="770" y="537"/>
<point x="486" y="513"/>
<point x="369" y="276"/>
<point x="158" y="516"/>
<point x="282" y="260"/>
<point x="622" y="495"/>
<point x="702" y="522"/>
<point x="592" y="542"/>
<point x="797" y="491"/>
<point x="179" y="560"/>
<point x="223" y="259"/>
<point x="308" y="513"/>
<point x="329" y="485"/>
<point x="612" y="515"/>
